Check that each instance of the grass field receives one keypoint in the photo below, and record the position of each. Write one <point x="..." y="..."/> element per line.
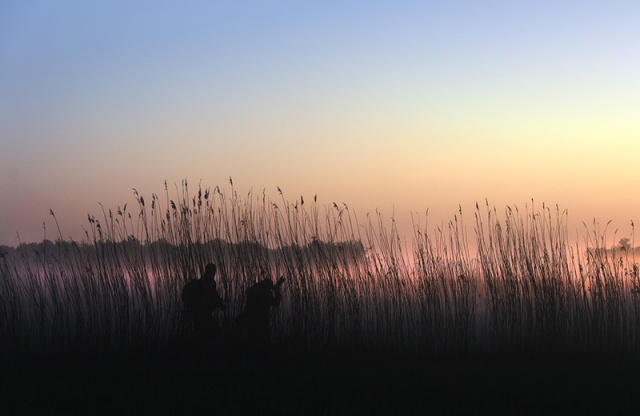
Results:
<point x="522" y="318"/>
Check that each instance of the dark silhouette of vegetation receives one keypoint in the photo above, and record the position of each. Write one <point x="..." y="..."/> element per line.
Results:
<point x="351" y="286"/>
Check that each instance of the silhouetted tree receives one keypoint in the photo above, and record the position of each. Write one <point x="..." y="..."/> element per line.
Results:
<point x="624" y="244"/>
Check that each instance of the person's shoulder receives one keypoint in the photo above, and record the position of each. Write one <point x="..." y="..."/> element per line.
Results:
<point x="192" y="282"/>
<point x="252" y="289"/>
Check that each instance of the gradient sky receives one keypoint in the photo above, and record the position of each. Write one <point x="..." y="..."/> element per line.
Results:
<point x="399" y="107"/>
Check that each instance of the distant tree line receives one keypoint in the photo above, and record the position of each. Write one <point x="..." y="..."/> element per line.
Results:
<point x="355" y="249"/>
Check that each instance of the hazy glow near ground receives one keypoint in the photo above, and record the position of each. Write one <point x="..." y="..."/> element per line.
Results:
<point x="400" y="107"/>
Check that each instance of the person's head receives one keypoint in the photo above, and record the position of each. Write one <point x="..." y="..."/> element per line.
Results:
<point x="210" y="270"/>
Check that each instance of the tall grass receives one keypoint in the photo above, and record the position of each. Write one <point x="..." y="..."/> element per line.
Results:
<point x="352" y="284"/>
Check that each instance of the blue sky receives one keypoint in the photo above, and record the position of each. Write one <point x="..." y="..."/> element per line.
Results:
<point x="398" y="106"/>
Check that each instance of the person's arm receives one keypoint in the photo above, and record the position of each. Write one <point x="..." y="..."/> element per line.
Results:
<point x="218" y="302"/>
<point x="277" y="296"/>
<point x="214" y="299"/>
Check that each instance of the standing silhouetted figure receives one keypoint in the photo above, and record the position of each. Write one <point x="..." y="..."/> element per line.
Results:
<point x="257" y="313"/>
<point x="201" y="298"/>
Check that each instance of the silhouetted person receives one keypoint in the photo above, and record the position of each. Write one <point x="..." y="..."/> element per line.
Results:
<point x="257" y="313"/>
<point x="201" y="298"/>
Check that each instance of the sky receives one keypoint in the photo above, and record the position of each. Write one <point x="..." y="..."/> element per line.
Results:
<point x="392" y="106"/>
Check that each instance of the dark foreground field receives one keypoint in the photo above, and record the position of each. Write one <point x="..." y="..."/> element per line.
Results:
<point x="328" y="385"/>
<point x="569" y="316"/>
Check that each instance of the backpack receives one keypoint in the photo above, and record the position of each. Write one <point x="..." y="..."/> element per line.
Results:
<point x="190" y="294"/>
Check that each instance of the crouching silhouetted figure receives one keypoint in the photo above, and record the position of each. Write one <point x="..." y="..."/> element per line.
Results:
<point x="201" y="298"/>
<point x="256" y="319"/>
